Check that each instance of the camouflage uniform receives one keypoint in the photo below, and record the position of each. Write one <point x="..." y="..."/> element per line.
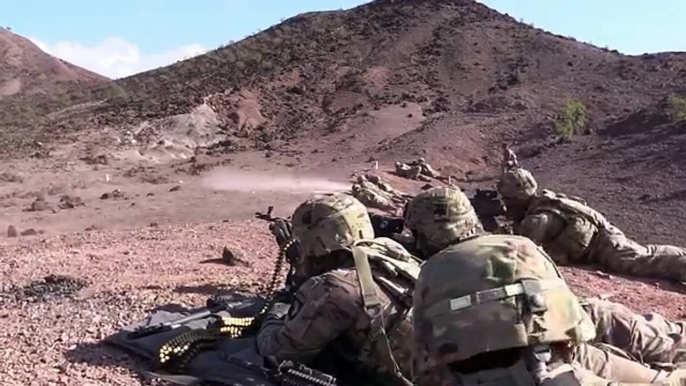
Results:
<point x="383" y="185"/>
<point x="373" y="198"/>
<point x="426" y="168"/>
<point x="649" y="338"/>
<point x="413" y="172"/>
<point x="442" y="217"/>
<point x="352" y="300"/>
<point x="510" y="319"/>
<point x="572" y="232"/>
<point x="376" y="184"/>
<point x="509" y="158"/>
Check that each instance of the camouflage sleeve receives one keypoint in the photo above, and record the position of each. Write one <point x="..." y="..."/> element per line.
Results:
<point x="651" y="337"/>
<point x="324" y="307"/>
<point x="540" y="226"/>
<point x="609" y="362"/>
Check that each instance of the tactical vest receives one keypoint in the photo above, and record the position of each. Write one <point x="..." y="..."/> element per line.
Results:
<point x="582" y="223"/>
<point x="388" y="257"/>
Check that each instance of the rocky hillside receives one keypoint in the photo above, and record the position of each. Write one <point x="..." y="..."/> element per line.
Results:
<point x="444" y="77"/>
<point x="26" y="70"/>
<point x="449" y="79"/>
<point x="33" y="84"/>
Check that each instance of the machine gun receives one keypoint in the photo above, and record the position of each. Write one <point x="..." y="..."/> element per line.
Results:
<point x="289" y="373"/>
<point x="289" y="248"/>
<point x="224" y="303"/>
<point x="386" y="226"/>
<point x="281" y="229"/>
<point x="487" y="206"/>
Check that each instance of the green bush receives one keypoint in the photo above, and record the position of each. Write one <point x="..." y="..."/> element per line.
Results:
<point x="677" y="108"/>
<point x="573" y="120"/>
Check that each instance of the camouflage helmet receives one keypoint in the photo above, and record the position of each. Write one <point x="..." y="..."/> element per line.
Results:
<point x="517" y="183"/>
<point x="509" y="294"/>
<point x="440" y="217"/>
<point x="330" y="223"/>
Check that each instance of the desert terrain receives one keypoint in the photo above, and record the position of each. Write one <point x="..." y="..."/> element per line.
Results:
<point x="123" y="194"/>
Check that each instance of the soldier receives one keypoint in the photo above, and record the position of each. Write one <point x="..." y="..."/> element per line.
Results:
<point x="426" y="168"/>
<point x="413" y="172"/>
<point x="373" y="198"/>
<point x="509" y="158"/>
<point x="572" y="232"/>
<point x="648" y="338"/>
<point x="381" y="184"/>
<point x="356" y="297"/>
<point x="442" y="217"/>
<point x="509" y="320"/>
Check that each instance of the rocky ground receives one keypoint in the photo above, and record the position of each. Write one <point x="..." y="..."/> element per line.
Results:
<point x="94" y="268"/>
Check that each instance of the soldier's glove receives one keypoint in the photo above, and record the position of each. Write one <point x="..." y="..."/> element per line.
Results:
<point x="277" y="311"/>
<point x="282" y="231"/>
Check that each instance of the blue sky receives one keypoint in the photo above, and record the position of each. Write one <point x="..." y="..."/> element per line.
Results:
<point x="120" y="37"/>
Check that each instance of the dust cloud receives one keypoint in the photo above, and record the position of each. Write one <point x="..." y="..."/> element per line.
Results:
<point x="254" y="181"/>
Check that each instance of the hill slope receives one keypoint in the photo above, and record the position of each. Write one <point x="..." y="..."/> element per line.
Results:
<point x="448" y="79"/>
<point x="386" y="78"/>
<point x="26" y="70"/>
<point x="33" y="83"/>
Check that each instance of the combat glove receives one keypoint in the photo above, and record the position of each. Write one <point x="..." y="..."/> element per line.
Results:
<point x="282" y="231"/>
<point x="278" y="311"/>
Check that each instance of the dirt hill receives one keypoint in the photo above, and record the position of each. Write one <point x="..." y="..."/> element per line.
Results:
<point x="444" y="78"/>
<point x="26" y="70"/>
<point x="447" y="79"/>
<point x="33" y="83"/>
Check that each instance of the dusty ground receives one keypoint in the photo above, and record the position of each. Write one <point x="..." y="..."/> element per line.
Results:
<point x="164" y="249"/>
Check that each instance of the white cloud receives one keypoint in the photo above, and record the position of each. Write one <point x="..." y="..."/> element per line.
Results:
<point x="115" y="57"/>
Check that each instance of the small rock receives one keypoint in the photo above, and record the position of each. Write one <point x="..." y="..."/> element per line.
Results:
<point x="91" y="228"/>
<point x="153" y="224"/>
<point x="603" y="274"/>
<point x="29" y="232"/>
<point x="12" y="231"/>
<point x="175" y="188"/>
<point x="150" y="195"/>
<point x="232" y="256"/>
<point x="38" y="205"/>
<point x="70" y="202"/>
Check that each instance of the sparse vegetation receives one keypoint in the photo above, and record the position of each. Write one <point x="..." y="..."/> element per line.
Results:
<point x="573" y="120"/>
<point x="677" y="108"/>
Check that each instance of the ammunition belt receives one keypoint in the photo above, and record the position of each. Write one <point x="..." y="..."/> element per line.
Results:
<point x="177" y="353"/>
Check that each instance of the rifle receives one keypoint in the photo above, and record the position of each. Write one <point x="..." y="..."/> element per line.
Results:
<point x="386" y="226"/>
<point x="487" y="206"/>
<point x="289" y="373"/>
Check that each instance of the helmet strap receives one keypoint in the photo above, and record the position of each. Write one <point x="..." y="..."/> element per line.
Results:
<point x="537" y="359"/>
